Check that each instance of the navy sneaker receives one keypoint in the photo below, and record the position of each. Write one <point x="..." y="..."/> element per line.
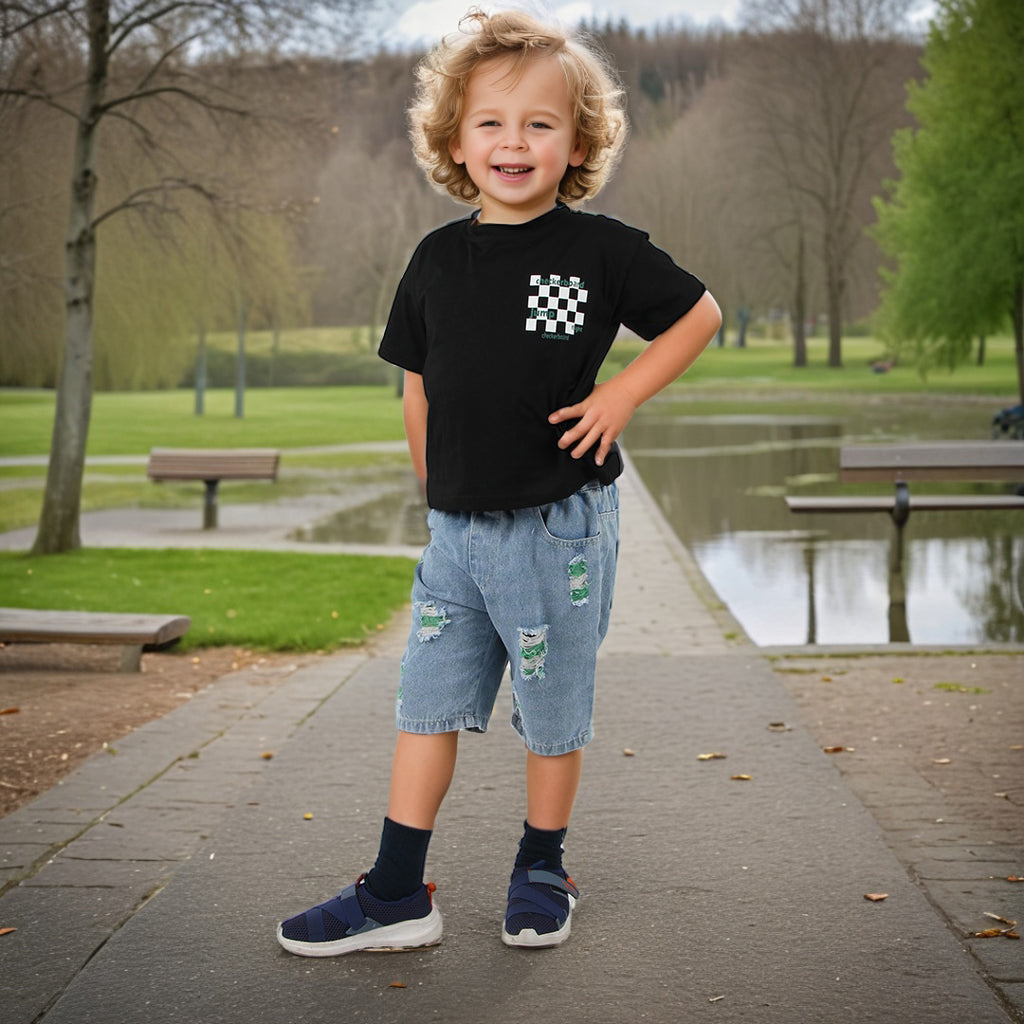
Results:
<point x="355" y="920"/>
<point x="540" y="902"/>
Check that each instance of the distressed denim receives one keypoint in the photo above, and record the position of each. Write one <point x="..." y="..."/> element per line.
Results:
<point x="530" y="589"/>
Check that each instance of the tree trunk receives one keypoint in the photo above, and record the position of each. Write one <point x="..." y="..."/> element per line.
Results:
<point x="275" y="350"/>
<point x="980" y="361"/>
<point x="200" y="406"/>
<point x="799" y="312"/>
<point x="743" y="318"/>
<point x="1018" y="336"/>
<point x="240" y="361"/>
<point x="835" y="320"/>
<point x="62" y="499"/>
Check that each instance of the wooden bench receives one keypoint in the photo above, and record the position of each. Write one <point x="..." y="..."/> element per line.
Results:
<point x="899" y="464"/>
<point x="948" y="461"/>
<point x="131" y="632"/>
<point x="211" y="465"/>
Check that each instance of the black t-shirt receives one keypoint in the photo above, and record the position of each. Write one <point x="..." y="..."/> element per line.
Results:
<point x="509" y="322"/>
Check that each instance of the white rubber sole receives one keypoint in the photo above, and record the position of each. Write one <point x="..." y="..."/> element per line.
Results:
<point x="529" y="939"/>
<point x="391" y="938"/>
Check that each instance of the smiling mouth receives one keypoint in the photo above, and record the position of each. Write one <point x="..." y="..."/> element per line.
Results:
<point x="513" y="172"/>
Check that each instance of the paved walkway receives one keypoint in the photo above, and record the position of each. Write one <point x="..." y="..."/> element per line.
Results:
<point x="146" y="887"/>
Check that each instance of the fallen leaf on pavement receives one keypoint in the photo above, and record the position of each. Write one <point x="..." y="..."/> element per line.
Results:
<point x="1015" y="878"/>
<point x="999" y="918"/>
<point x="838" y="750"/>
<point x="307" y="817"/>
<point x="710" y="757"/>
<point x="397" y="984"/>
<point x="779" y="727"/>
<point x="741" y="778"/>
<point x="627" y="752"/>
<point x="7" y="931"/>
<point x="876" y="897"/>
<point x="267" y="755"/>
<point x="10" y="711"/>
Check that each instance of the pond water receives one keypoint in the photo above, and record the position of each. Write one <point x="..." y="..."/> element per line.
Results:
<point x="720" y="476"/>
<point x="829" y="578"/>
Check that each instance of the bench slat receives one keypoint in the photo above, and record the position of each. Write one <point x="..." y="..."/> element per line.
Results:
<point x="919" y="502"/>
<point x="213" y="464"/>
<point x="45" y="626"/>
<point x="933" y="460"/>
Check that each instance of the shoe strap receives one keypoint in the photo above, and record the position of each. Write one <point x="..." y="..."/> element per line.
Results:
<point x="344" y="907"/>
<point x="554" y="880"/>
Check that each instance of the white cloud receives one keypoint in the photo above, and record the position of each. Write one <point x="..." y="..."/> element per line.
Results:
<point x="425" y="21"/>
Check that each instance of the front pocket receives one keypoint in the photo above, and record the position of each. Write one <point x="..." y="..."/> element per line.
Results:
<point x="575" y="520"/>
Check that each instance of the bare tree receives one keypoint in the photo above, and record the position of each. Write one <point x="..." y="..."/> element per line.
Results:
<point x="823" y="85"/>
<point x="137" y="55"/>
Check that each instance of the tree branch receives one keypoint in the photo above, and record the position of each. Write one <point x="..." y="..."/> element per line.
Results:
<point x="30" y="18"/>
<point x="175" y="90"/>
<point x="40" y="97"/>
<point x="141" y="198"/>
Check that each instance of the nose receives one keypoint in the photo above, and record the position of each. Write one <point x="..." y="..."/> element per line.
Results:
<point x="513" y="138"/>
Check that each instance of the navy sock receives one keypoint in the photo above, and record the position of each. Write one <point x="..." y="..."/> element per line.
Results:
<point x="540" y="844"/>
<point x="401" y="860"/>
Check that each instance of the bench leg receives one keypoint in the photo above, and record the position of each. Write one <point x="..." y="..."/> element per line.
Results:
<point x="131" y="658"/>
<point x="210" y="505"/>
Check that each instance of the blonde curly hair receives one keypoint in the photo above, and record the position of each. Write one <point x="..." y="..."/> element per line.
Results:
<point x="595" y="96"/>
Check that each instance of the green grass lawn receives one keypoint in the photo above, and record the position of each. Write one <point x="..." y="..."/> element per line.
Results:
<point x="261" y="599"/>
<point x="767" y="367"/>
<point x="132" y="422"/>
<point x="306" y="602"/>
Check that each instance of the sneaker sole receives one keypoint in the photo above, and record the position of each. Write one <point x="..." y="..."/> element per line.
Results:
<point x="529" y="939"/>
<point x="391" y="938"/>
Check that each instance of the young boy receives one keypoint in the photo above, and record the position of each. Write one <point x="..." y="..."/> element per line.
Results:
<point x="501" y="323"/>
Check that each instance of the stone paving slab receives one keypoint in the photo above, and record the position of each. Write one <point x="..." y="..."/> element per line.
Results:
<point x="703" y="897"/>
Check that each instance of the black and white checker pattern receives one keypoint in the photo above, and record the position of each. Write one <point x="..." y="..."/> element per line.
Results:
<point x="556" y="304"/>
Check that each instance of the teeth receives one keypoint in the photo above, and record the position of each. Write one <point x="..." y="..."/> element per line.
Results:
<point x="514" y="170"/>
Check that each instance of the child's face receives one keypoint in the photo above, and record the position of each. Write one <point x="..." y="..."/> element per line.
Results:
<point x="517" y="137"/>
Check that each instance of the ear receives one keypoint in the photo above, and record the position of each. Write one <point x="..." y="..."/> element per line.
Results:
<point x="455" y="149"/>
<point x="579" y="153"/>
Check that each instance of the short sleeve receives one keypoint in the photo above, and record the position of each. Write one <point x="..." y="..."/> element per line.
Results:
<point x="656" y="291"/>
<point x="405" y="337"/>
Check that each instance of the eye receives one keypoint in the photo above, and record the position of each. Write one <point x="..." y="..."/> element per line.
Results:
<point x="539" y="124"/>
<point x="488" y="124"/>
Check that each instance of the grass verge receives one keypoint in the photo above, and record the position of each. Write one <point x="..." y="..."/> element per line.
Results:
<point x="265" y="600"/>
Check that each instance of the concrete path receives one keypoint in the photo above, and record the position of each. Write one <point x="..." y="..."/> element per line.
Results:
<point x="147" y="886"/>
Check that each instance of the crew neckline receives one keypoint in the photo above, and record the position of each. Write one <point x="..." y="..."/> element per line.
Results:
<point x="538" y="221"/>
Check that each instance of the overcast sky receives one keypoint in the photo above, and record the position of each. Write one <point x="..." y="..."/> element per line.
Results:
<point x="417" y="22"/>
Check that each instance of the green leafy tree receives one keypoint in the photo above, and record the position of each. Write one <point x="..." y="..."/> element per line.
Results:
<point x="954" y="220"/>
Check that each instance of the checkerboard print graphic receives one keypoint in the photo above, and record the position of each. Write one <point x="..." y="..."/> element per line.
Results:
<point x="556" y="304"/>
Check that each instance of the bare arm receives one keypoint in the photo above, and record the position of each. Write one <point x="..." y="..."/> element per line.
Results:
<point x="414" y="413"/>
<point x="604" y="413"/>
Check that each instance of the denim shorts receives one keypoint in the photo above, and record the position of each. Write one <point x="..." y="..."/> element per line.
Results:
<point x="530" y="589"/>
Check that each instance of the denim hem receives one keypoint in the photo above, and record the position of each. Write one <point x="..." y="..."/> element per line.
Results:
<point x="433" y="727"/>
<point x="557" y="749"/>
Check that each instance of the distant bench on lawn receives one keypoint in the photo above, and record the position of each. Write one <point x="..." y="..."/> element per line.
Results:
<point x="211" y="465"/>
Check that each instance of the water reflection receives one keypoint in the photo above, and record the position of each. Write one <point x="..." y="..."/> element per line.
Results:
<point x="835" y="579"/>
<point x="378" y="506"/>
